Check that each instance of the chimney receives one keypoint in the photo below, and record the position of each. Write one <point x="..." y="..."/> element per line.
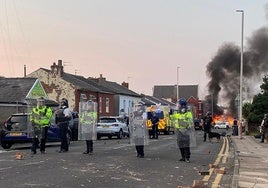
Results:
<point x="101" y="79"/>
<point x="53" y="68"/>
<point x="24" y="71"/>
<point x="125" y="84"/>
<point x="60" y="68"/>
<point x="57" y="69"/>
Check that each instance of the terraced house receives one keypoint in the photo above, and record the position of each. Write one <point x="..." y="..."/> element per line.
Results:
<point x="113" y="99"/>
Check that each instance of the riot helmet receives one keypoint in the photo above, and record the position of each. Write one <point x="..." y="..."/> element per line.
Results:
<point x="64" y="103"/>
<point x="182" y="102"/>
<point x="139" y="109"/>
<point x="40" y="101"/>
<point x="90" y="106"/>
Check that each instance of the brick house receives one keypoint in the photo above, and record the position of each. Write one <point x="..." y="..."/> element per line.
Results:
<point x="196" y="106"/>
<point x="109" y="95"/>
<point x="124" y="98"/>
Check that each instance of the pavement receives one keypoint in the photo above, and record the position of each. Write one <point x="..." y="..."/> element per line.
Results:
<point x="251" y="162"/>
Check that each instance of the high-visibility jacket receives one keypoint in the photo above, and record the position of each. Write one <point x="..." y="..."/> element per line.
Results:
<point x="174" y="119"/>
<point x="183" y="120"/>
<point x="88" y="118"/>
<point x="41" y="116"/>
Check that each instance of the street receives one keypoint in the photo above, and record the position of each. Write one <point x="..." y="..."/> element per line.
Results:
<point x="114" y="164"/>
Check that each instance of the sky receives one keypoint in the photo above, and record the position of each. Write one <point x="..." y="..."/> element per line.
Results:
<point x="137" y="41"/>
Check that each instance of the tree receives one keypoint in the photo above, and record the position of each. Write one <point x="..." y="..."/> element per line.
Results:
<point x="246" y="109"/>
<point x="254" y="112"/>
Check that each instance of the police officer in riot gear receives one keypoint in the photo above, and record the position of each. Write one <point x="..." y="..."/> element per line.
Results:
<point x="183" y="125"/>
<point x="264" y="128"/>
<point x="62" y="117"/>
<point x="155" y="121"/>
<point x="207" y="123"/>
<point x="88" y="121"/>
<point x="138" y="129"/>
<point x="40" y="119"/>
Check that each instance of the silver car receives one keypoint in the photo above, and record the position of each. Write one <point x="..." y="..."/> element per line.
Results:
<point x="112" y="126"/>
<point x="221" y="125"/>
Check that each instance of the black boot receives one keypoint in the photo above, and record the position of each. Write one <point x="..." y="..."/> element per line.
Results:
<point x="89" y="144"/>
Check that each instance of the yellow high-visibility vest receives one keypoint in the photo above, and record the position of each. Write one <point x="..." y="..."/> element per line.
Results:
<point x="183" y="120"/>
<point x="41" y="116"/>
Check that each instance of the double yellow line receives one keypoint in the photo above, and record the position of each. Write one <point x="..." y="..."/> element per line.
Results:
<point x="221" y="159"/>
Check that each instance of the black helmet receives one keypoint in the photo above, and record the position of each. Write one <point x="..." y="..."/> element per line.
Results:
<point x="182" y="102"/>
<point x="64" y="102"/>
<point x="90" y="102"/>
<point x="90" y="105"/>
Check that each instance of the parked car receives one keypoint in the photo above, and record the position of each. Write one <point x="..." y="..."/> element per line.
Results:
<point x="221" y="125"/>
<point x="112" y="126"/>
<point x="14" y="130"/>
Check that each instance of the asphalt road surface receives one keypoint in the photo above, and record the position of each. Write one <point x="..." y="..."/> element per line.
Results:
<point x="114" y="164"/>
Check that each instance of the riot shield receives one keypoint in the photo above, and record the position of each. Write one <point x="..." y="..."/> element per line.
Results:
<point x="186" y="136"/>
<point x="30" y="126"/>
<point x="137" y="126"/>
<point x="87" y="128"/>
<point x="33" y="130"/>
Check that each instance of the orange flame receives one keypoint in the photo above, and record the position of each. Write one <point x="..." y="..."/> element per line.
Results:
<point x="225" y="118"/>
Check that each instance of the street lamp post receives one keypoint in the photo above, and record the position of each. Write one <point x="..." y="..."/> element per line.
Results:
<point x="178" y="83"/>
<point x="241" y="67"/>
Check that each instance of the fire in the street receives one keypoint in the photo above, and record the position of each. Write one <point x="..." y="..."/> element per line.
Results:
<point x="223" y="118"/>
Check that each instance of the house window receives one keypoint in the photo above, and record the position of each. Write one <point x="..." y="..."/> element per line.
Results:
<point x="100" y="105"/>
<point x="107" y="105"/>
<point x="83" y="97"/>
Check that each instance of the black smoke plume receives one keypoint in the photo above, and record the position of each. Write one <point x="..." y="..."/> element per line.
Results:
<point x="224" y="71"/>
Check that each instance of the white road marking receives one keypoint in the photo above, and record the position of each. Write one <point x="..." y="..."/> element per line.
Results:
<point x="34" y="163"/>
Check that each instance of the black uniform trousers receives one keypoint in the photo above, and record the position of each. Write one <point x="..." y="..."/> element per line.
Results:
<point x="155" y="131"/>
<point x="140" y="150"/>
<point x="185" y="152"/>
<point x="63" y="136"/>
<point x="89" y="146"/>
<point x="42" y="135"/>
<point x="264" y="132"/>
<point x="206" y="132"/>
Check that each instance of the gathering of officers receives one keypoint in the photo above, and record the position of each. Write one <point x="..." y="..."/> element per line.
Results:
<point x="41" y="115"/>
